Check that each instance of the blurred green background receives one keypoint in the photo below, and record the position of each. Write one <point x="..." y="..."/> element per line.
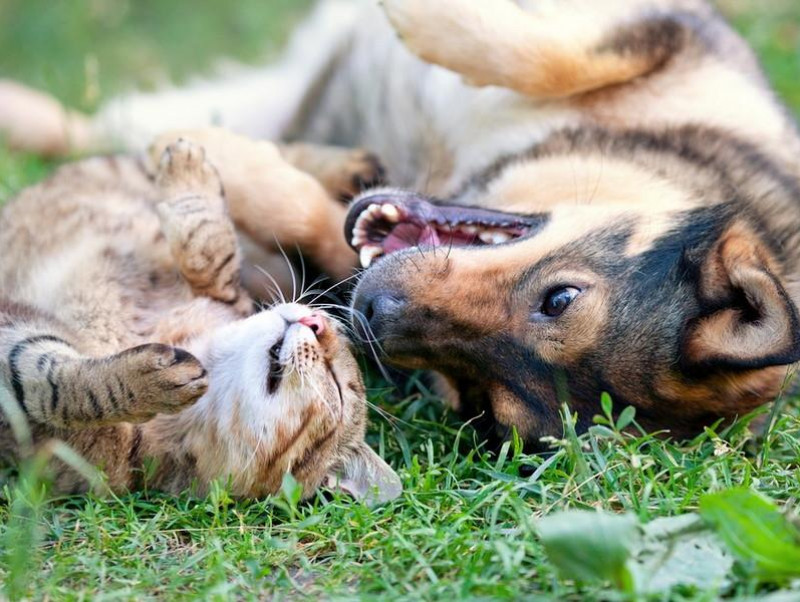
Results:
<point x="84" y="50"/>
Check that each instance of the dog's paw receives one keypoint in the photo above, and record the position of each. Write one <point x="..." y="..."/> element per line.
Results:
<point x="456" y="34"/>
<point x="184" y="170"/>
<point x="419" y="23"/>
<point x="34" y="122"/>
<point x="361" y="170"/>
<point x="404" y="16"/>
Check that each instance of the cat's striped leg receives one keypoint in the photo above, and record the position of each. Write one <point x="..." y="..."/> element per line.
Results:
<point x="195" y="220"/>
<point x="53" y="384"/>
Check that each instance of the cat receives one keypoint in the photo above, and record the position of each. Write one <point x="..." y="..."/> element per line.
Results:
<point x="125" y="331"/>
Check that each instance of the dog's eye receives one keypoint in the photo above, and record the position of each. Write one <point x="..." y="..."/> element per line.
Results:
<point x="558" y="300"/>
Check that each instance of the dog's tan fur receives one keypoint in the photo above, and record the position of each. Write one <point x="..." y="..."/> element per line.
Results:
<point x="642" y="133"/>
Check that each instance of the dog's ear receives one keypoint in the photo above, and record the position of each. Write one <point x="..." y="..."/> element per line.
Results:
<point x="365" y="476"/>
<point x="748" y="320"/>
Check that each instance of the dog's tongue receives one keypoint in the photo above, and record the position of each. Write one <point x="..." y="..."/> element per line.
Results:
<point x="408" y="235"/>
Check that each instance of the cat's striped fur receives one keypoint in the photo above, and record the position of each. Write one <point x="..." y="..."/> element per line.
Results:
<point x="125" y="332"/>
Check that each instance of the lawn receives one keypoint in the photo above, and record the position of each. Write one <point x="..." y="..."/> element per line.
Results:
<point x="467" y="524"/>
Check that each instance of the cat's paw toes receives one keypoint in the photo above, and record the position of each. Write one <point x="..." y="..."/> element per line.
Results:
<point x="164" y="379"/>
<point x="184" y="170"/>
<point x="361" y="171"/>
<point x="211" y="263"/>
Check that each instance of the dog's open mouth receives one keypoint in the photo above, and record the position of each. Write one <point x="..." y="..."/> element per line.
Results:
<point x="383" y="223"/>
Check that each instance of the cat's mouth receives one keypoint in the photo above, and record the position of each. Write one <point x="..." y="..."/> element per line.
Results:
<point x="276" y="368"/>
<point x="384" y="222"/>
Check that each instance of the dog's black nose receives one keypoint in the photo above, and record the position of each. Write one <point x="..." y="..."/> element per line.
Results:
<point x="375" y="310"/>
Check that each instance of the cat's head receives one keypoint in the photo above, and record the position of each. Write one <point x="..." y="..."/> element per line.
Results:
<point x="286" y="395"/>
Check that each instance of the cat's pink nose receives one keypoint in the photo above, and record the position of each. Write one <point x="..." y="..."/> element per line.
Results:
<point x="316" y="322"/>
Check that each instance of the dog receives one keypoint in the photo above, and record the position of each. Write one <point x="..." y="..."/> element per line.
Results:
<point x="588" y="196"/>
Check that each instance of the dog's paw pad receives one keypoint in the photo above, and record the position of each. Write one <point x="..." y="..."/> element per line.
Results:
<point x="363" y="170"/>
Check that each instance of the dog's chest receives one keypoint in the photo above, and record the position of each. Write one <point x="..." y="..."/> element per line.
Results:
<point x="431" y="130"/>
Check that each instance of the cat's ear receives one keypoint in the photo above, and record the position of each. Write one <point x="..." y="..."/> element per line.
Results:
<point x="365" y="476"/>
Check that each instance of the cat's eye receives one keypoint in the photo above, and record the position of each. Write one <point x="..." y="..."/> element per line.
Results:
<point x="558" y="300"/>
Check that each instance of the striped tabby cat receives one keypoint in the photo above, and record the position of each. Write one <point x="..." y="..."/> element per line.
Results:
<point x="125" y="332"/>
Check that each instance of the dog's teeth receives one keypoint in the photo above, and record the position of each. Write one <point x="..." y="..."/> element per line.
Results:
<point x="361" y="233"/>
<point x="361" y="222"/>
<point x="359" y="236"/>
<point x="471" y="230"/>
<point x="494" y="237"/>
<point x="374" y="210"/>
<point x="368" y="254"/>
<point x="390" y="212"/>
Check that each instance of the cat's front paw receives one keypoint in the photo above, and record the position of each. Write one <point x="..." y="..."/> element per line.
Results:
<point x="183" y="170"/>
<point x="161" y="379"/>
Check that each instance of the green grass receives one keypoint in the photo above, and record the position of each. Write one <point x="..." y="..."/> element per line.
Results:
<point x="465" y="526"/>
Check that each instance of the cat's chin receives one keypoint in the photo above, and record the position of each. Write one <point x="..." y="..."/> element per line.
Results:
<point x="275" y="402"/>
<point x="248" y="432"/>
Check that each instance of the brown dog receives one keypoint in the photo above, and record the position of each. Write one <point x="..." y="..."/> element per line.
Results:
<point x="612" y="197"/>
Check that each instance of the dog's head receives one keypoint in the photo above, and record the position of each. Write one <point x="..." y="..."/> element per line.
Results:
<point x="679" y="310"/>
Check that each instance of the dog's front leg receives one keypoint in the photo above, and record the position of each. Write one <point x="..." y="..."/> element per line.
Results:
<point x="343" y="172"/>
<point x="572" y="48"/>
